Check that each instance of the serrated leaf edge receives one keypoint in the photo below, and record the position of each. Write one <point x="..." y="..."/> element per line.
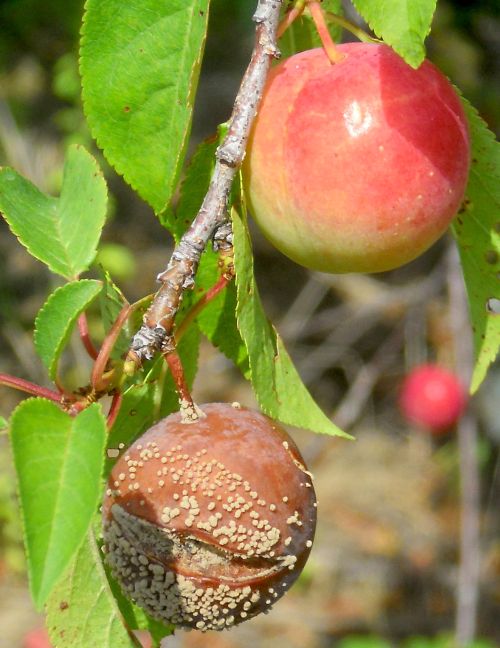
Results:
<point x="52" y="369"/>
<point x="484" y="137"/>
<point x="413" y="60"/>
<point x="104" y="590"/>
<point x="55" y="201"/>
<point x="277" y="342"/>
<point x="180" y="154"/>
<point x="22" y="405"/>
<point x="57" y="506"/>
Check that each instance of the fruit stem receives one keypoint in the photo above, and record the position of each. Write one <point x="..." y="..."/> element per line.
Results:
<point x="190" y="411"/>
<point x="83" y="329"/>
<point x="351" y="27"/>
<point x="290" y="16"/>
<point x="204" y="300"/>
<point x="319" y="20"/>
<point x="29" y="388"/>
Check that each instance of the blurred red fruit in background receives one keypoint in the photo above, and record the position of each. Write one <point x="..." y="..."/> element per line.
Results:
<point x="39" y="638"/>
<point x="432" y="398"/>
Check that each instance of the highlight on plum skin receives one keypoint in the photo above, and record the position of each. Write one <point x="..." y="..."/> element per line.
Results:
<point x="208" y="524"/>
<point x="359" y="166"/>
<point x="432" y="398"/>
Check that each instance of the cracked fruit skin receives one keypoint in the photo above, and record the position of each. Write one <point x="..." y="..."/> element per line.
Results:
<point x="207" y="524"/>
<point x="432" y="398"/>
<point x="358" y="166"/>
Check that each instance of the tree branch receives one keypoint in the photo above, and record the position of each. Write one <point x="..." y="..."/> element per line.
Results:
<point x="156" y="333"/>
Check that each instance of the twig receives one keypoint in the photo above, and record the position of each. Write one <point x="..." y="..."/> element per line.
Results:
<point x="361" y="389"/>
<point x="353" y="403"/>
<point x="468" y="572"/>
<point x="156" y="332"/>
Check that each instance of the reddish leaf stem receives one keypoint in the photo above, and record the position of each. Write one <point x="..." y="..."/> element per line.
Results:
<point x="114" y="408"/>
<point x="83" y="329"/>
<point x="200" y="305"/>
<point x="29" y="388"/>
<point x="319" y="20"/>
<point x="351" y="27"/>
<point x="290" y="16"/>
<point x="107" y="346"/>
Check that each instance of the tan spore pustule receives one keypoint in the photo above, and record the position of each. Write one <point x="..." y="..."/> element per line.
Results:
<point x="208" y="524"/>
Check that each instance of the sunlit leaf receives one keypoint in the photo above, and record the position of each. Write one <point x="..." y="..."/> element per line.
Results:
<point x="140" y="62"/>
<point x="58" y="460"/>
<point x="61" y="232"/>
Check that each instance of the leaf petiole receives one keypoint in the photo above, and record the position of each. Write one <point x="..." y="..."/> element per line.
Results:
<point x="291" y="15"/>
<point x="204" y="300"/>
<point x="351" y="27"/>
<point x="83" y="330"/>
<point x="30" y="388"/>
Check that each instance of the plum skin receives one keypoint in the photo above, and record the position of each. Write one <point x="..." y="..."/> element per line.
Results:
<point x="209" y="523"/>
<point x="358" y="166"/>
<point x="432" y="398"/>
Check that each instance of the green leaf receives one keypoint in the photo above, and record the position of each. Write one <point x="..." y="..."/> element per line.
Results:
<point x="302" y="33"/>
<point x="59" y="461"/>
<point x="140" y="62"/>
<point x="402" y="24"/>
<point x="82" y="610"/>
<point x="112" y="300"/>
<point x="55" y="320"/>
<point x="278" y="388"/>
<point x="477" y="230"/>
<point x="193" y="188"/>
<point x="363" y="641"/>
<point x="217" y="321"/>
<point x="62" y="233"/>
<point x="136" y="415"/>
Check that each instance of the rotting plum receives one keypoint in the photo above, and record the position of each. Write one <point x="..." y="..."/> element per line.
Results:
<point x="207" y="524"/>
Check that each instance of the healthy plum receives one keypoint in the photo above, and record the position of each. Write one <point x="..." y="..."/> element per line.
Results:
<point x="357" y="166"/>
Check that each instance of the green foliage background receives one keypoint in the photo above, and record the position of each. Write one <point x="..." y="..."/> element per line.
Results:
<point x="39" y="43"/>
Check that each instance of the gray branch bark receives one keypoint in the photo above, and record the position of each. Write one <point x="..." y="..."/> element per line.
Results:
<point x="156" y="333"/>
